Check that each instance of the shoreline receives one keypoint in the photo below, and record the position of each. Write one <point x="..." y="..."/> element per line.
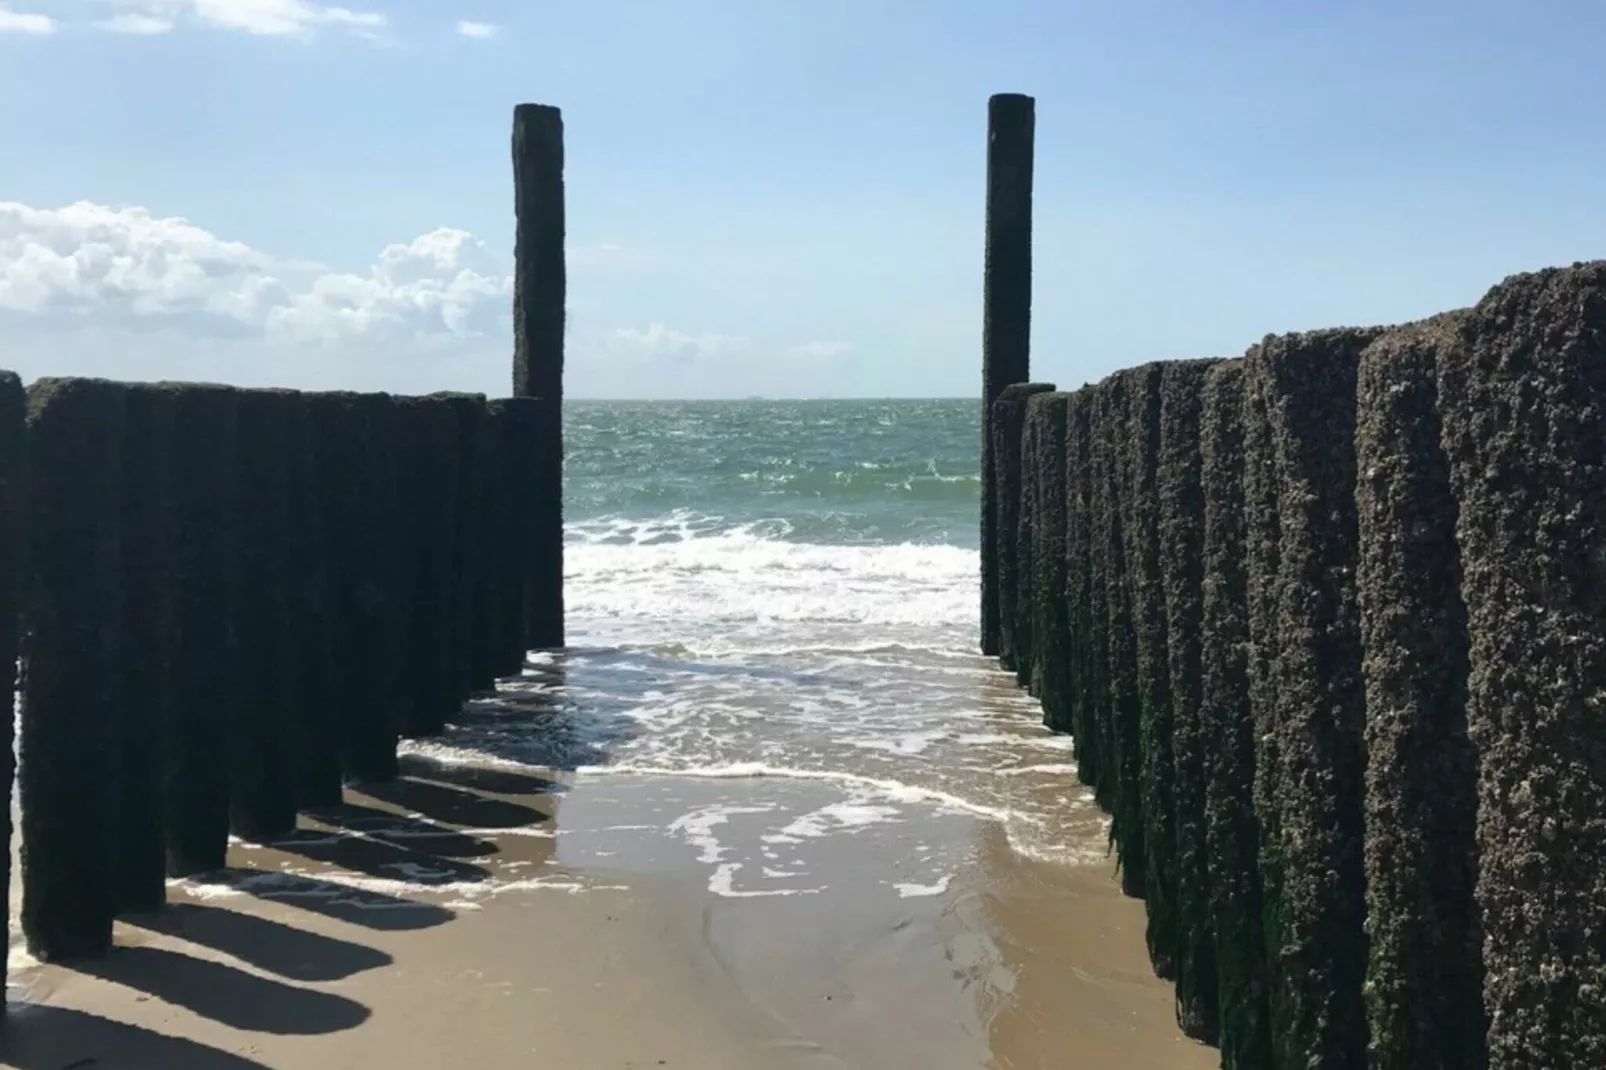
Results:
<point x="451" y="922"/>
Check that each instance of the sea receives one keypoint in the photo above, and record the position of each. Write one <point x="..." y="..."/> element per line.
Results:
<point x="772" y="625"/>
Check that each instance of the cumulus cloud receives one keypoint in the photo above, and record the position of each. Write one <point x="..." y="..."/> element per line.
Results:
<point x="94" y="263"/>
<point x="264" y="18"/>
<point x="478" y="30"/>
<point x="24" y="22"/>
<point x="124" y="291"/>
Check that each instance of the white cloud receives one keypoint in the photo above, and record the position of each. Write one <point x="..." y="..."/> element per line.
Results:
<point x="136" y="24"/>
<point x="123" y="291"/>
<point x="264" y="18"/>
<point x="479" y="30"/>
<point x="89" y="263"/>
<point x="658" y="342"/>
<point x="23" y="22"/>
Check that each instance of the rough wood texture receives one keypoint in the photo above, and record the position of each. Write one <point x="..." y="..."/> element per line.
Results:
<point x="1424" y="978"/>
<point x="1180" y="499"/>
<point x="72" y="689"/>
<point x="1122" y="707"/>
<point x="1232" y="833"/>
<point x="1522" y="394"/>
<point x="1050" y="666"/>
<point x="1146" y="591"/>
<point x="1081" y="717"/>
<point x="1307" y="382"/>
<point x="1006" y="311"/>
<point x="1009" y="424"/>
<point x="201" y="713"/>
<point x="468" y="411"/>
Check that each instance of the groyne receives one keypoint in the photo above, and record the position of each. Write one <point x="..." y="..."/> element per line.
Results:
<point x="1328" y="624"/>
<point x="227" y="604"/>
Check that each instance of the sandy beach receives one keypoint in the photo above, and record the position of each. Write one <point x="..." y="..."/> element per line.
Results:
<point x="464" y="918"/>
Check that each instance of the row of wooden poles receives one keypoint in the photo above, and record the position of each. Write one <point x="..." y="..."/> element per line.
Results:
<point x="227" y="604"/>
<point x="1327" y="623"/>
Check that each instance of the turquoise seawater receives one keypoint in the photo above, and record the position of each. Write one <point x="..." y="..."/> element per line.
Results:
<point x="825" y="472"/>
<point x="772" y="608"/>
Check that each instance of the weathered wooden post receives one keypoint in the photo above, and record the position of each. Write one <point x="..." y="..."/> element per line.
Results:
<point x="146" y="549"/>
<point x="72" y="645"/>
<point x="1006" y="308"/>
<point x="13" y="412"/>
<point x="540" y="285"/>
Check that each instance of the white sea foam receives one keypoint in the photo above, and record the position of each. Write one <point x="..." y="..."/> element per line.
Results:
<point x="916" y="891"/>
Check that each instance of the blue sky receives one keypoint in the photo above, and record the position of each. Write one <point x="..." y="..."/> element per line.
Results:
<point x="768" y="197"/>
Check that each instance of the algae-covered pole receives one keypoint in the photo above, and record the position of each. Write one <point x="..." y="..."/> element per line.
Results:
<point x="1006" y="310"/>
<point x="1232" y="835"/>
<point x="539" y="293"/>
<point x="1522" y="394"/>
<point x="1425" y="973"/>
<point x="147" y="563"/>
<point x="1146" y="591"/>
<point x="1008" y="426"/>
<point x="13" y="413"/>
<point x="1319" y="939"/>
<point x="203" y="682"/>
<point x="1180" y="497"/>
<point x="72" y="647"/>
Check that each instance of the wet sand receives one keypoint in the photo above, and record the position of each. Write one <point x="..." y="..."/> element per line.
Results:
<point x="499" y="920"/>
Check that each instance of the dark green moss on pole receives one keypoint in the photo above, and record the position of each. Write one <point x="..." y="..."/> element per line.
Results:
<point x="1083" y="667"/>
<point x="1156" y="770"/>
<point x="468" y="510"/>
<point x="1424" y="980"/>
<point x="427" y="498"/>
<point x="1180" y="499"/>
<point x="1308" y="383"/>
<point x="205" y="653"/>
<point x="1050" y="667"/>
<point x="13" y="508"/>
<point x="1006" y="312"/>
<point x="314" y="714"/>
<point x="262" y="778"/>
<point x="72" y="688"/>
<point x="1232" y="833"/>
<point x="1118" y="396"/>
<point x="1522" y="395"/>
<point x="1014" y="604"/>
<point x="146" y="546"/>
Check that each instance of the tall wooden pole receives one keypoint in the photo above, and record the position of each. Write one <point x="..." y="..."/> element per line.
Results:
<point x="540" y="285"/>
<point x="1006" y="307"/>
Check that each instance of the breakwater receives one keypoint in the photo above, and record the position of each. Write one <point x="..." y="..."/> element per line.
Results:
<point x="230" y="603"/>
<point x="1328" y="624"/>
